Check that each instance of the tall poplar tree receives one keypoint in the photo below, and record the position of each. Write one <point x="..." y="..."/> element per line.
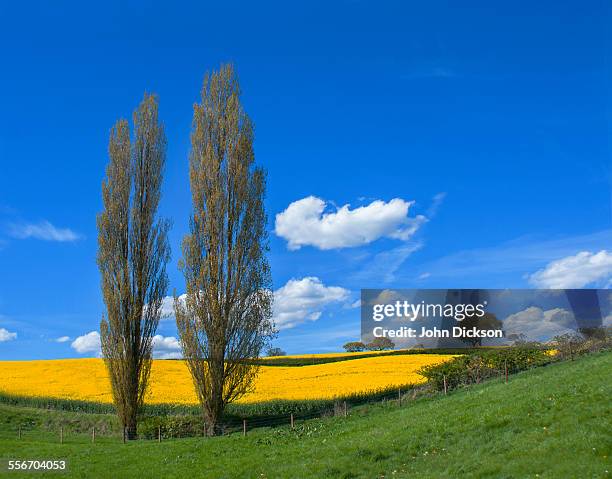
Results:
<point x="132" y="255"/>
<point x="225" y="320"/>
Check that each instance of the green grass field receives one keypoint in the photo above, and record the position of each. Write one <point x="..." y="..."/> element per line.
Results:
<point x="549" y="422"/>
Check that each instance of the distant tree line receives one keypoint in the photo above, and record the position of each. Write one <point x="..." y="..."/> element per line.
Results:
<point x="377" y="344"/>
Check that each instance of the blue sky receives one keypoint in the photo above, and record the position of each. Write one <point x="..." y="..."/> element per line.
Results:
<point x="488" y="123"/>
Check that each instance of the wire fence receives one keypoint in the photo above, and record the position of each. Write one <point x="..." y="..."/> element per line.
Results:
<point x="189" y="426"/>
<point x="194" y="426"/>
<point x="161" y="428"/>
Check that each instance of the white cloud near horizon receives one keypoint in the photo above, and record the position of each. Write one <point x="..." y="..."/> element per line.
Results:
<point x="583" y="269"/>
<point x="43" y="230"/>
<point x="6" y="335"/>
<point x="166" y="347"/>
<point x="305" y="223"/>
<point x="298" y="301"/>
<point x="88" y="343"/>
<point x="301" y="300"/>
<point x="163" y="347"/>
<point x="539" y="325"/>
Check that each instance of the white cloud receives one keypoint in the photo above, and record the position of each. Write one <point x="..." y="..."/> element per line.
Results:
<point x="436" y="203"/>
<point x="539" y="325"/>
<point x="305" y="223"/>
<point x="577" y="271"/>
<point x="88" y="343"/>
<point x="42" y="230"/>
<point x="6" y="335"/>
<point x="504" y="264"/>
<point x="302" y="300"/>
<point x="385" y="264"/>
<point x="163" y="347"/>
<point x="167" y="308"/>
<point x="62" y="339"/>
<point x="166" y="347"/>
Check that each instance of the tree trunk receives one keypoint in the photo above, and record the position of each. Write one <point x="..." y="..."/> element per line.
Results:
<point x="212" y="419"/>
<point x="213" y="411"/>
<point x="131" y="429"/>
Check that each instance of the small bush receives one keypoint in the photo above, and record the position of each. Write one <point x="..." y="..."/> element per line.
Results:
<point x="170" y="426"/>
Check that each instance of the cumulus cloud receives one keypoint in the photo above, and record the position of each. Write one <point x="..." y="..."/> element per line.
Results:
<point x="88" y="343"/>
<point x="6" y="335"/>
<point x="43" y="231"/>
<point x="166" y="347"/>
<point x="539" y="325"/>
<point x="62" y="339"/>
<point x="167" y="308"/>
<point x="163" y="347"/>
<point x="304" y="222"/>
<point x="302" y="300"/>
<point x="577" y="271"/>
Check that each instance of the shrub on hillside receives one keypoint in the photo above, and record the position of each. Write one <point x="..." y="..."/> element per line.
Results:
<point x="473" y="368"/>
<point x="570" y="345"/>
<point x="170" y="426"/>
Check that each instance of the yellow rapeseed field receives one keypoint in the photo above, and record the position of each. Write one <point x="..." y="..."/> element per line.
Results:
<point x="170" y="382"/>
<point x="330" y="355"/>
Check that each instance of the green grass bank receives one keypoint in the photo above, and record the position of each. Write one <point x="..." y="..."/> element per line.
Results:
<point x="548" y="422"/>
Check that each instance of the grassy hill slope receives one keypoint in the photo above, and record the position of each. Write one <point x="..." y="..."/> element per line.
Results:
<point x="550" y="422"/>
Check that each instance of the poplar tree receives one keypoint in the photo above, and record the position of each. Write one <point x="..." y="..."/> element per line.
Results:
<point x="132" y="255"/>
<point x="225" y="320"/>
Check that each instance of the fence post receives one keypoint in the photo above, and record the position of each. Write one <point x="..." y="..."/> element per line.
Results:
<point x="506" y="368"/>
<point x="399" y="396"/>
<point x="93" y="434"/>
<point x="291" y="420"/>
<point x="19" y="433"/>
<point x="124" y="429"/>
<point x="244" y="427"/>
<point x="62" y="435"/>
<point x="345" y="410"/>
<point x="445" y="388"/>
<point x="159" y="433"/>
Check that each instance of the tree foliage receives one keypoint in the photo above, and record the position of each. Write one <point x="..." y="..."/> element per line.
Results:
<point x="132" y="255"/>
<point x="354" y="346"/>
<point x="380" y="344"/>
<point x="225" y="320"/>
